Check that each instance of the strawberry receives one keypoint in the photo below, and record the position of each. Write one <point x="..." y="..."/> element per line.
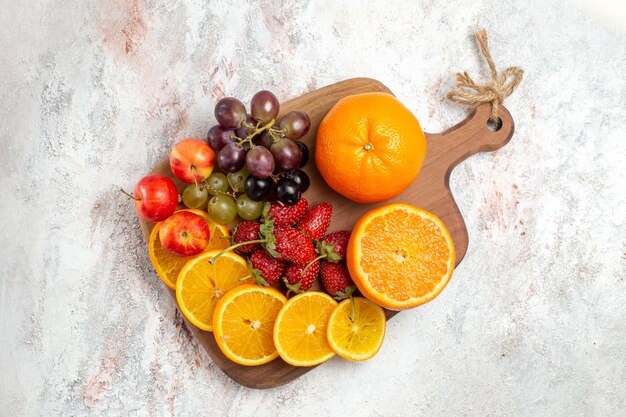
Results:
<point x="333" y="246"/>
<point x="266" y="270"/>
<point x="244" y="232"/>
<point x="280" y="242"/>
<point x="284" y="215"/>
<point x="287" y="243"/>
<point x="316" y="220"/>
<point x="336" y="280"/>
<point x="298" y="281"/>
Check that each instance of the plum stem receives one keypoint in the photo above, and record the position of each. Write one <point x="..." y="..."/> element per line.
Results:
<point x="129" y="195"/>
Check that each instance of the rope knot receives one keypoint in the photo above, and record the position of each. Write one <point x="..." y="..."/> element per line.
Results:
<point x="502" y="85"/>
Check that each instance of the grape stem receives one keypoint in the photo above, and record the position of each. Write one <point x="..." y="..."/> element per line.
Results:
<point x="129" y="195"/>
<point x="257" y="130"/>
<point x="277" y="134"/>
<point x="233" y="194"/>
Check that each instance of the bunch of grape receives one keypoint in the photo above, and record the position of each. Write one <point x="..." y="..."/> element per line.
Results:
<point x="259" y="156"/>
<point x="267" y="147"/>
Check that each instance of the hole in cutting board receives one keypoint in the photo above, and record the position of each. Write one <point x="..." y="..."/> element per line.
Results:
<point x="494" y="126"/>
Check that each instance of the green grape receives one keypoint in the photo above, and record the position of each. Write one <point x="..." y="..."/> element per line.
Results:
<point x="195" y="196"/>
<point x="248" y="209"/>
<point x="237" y="180"/>
<point x="217" y="183"/>
<point x="222" y="209"/>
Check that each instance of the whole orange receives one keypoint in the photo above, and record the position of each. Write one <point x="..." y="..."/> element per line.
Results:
<point x="369" y="147"/>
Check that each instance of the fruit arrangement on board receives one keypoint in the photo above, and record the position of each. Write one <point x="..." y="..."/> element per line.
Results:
<point x="252" y="257"/>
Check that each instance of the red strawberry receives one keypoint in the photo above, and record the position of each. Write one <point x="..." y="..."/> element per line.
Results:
<point x="333" y="246"/>
<point x="266" y="270"/>
<point x="287" y="243"/>
<point x="280" y="242"/>
<point x="336" y="280"/>
<point x="244" y="232"/>
<point x="284" y="215"/>
<point x="298" y="281"/>
<point x="316" y="220"/>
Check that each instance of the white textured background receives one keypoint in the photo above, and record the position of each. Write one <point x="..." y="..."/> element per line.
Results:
<point x="93" y="93"/>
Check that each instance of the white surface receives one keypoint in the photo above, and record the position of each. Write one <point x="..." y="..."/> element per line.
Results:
<point x="94" y="93"/>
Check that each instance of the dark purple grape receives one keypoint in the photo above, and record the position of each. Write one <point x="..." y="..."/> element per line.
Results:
<point x="295" y="123"/>
<point x="230" y="112"/>
<point x="300" y="178"/>
<point x="260" y="162"/>
<point x="286" y="154"/>
<point x="272" y="194"/>
<point x="288" y="192"/>
<point x="304" y="150"/>
<point x="244" y="131"/>
<point x="231" y="158"/>
<point x="264" y="106"/>
<point x="218" y="137"/>
<point x="258" y="189"/>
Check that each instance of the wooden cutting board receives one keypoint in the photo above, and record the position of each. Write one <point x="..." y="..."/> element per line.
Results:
<point x="431" y="190"/>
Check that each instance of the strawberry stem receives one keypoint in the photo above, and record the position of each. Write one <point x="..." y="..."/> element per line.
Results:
<point x="292" y="288"/>
<point x="246" y="277"/>
<point x="353" y="309"/>
<point x="311" y="263"/>
<point x="212" y="261"/>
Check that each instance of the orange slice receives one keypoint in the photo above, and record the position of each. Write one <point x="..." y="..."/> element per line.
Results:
<point x="201" y="284"/>
<point x="243" y="322"/>
<point x="400" y="256"/>
<point x="300" y="330"/>
<point x="168" y="265"/>
<point x="356" y="331"/>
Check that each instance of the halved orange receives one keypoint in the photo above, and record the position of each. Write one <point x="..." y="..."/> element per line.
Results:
<point x="168" y="265"/>
<point x="300" y="329"/>
<point x="400" y="256"/>
<point x="201" y="284"/>
<point x="356" y="329"/>
<point x="243" y="323"/>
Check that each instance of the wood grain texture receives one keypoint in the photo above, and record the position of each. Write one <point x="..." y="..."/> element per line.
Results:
<point x="431" y="190"/>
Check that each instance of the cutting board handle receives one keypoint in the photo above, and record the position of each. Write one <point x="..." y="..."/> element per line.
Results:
<point x="471" y="136"/>
<point x="445" y="151"/>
